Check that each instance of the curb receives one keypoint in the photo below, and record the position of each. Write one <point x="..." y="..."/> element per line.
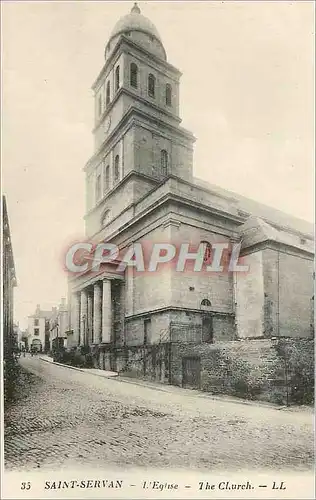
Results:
<point x="201" y="394"/>
<point x="163" y="388"/>
<point x="83" y="370"/>
<point x="60" y="364"/>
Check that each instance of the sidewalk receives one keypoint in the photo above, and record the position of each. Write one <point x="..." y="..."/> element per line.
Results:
<point x="92" y="371"/>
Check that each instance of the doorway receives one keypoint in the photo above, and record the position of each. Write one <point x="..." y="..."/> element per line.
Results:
<point x="207" y="329"/>
<point x="191" y="373"/>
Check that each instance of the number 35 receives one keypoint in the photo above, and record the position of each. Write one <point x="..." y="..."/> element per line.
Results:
<point x="26" y="486"/>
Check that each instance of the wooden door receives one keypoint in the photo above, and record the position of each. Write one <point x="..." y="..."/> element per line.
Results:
<point x="191" y="372"/>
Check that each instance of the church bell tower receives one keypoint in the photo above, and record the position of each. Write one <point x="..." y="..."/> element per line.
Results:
<point x="138" y="139"/>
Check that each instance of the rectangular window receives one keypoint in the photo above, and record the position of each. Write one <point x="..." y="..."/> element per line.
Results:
<point x="36" y="322"/>
<point x="147" y="330"/>
<point x="36" y="331"/>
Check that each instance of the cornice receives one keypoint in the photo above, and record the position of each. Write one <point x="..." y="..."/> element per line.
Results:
<point x="119" y="48"/>
<point x="211" y="310"/>
<point x="169" y="197"/>
<point x="277" y="246"/>
<point x="132" y="173"/>
<point x="128" y="118"/>
<point x="135" y="97"/>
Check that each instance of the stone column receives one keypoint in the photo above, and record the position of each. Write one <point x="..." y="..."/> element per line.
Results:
<point x="83" y="315"/>
<point x="90" y="319"/>
<point x="106" y="312"/>
<point x="75" y="320"/>
<point x="97" y="313"/>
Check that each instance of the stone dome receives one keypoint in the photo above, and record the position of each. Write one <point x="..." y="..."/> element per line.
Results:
<point x="135" y="22"/>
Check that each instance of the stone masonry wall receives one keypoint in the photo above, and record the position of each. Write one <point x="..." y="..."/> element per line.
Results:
<point x="251" y="369"/>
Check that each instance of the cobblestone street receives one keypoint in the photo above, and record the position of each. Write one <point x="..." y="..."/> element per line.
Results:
<point x="65" y="417"/>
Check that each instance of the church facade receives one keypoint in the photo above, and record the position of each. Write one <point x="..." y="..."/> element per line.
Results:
<point x="140" y="188"/>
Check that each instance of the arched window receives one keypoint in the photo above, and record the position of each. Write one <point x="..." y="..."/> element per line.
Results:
<point x="134" y="75"/>
<point x="168" y="94"/>
<point x="207" y="252"/>
<point x="164" y="162"/>
<point x="105" y="218"/>
<point x="98" y="188"/>
<point x="107" y="178"/>
<point x="117" y="78"/>
<point x="151" y="85"/>
<point x="107" y="99"/>
<point x="206" y="303"/>
<point x="117" y="168"/>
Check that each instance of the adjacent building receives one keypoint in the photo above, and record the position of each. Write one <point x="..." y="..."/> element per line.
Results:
<point x="38" y="330"/>
<point x="59" y="326"/>
<point x="9" y="283"/>
<point x="140" y="188"/>
<point x="20" y="337"/>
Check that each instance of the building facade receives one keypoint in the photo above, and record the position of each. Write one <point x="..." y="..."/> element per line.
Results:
<point x="59" y="326"/>
<point x="140" y="188"/>
<point x="9" y="283"/>
<point x="38" y="330"/>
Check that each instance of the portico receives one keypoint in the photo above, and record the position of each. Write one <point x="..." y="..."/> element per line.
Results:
<point x="97" y="321"/>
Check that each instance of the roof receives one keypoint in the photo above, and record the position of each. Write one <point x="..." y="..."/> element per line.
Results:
<point x="135" y="21"/>
<point x="253" y="208"/>
<point x="256" y="230"/>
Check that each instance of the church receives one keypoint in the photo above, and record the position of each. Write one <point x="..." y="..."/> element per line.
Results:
<point x="140" y="188"/>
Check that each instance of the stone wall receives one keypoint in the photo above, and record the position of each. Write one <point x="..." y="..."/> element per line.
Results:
<point x="251" y="369"/>
<point x="279" y="371"/>
<point x="149" y="362"/>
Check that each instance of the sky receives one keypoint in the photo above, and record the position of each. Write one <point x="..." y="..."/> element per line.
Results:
<point x="246" y="93"/>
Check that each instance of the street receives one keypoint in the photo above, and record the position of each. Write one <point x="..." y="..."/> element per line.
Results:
<point x="66" y="417"/>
